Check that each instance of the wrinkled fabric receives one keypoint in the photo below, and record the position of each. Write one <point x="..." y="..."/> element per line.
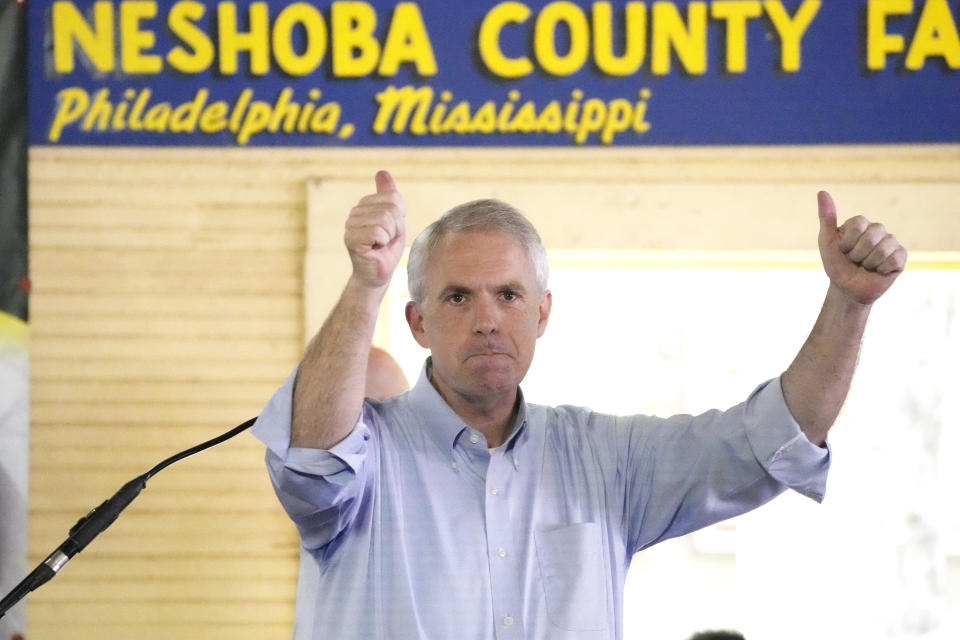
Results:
<point x="412" y="529"/>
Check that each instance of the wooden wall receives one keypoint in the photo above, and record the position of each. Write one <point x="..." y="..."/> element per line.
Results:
<point x="169" y="303"/>
<point x="166" y="309"/>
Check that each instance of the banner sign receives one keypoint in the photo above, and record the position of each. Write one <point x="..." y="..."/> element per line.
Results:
<point x="437" y="72"/>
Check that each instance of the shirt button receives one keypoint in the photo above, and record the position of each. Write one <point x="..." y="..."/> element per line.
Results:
<point x="474" y="438"/>
<point x="453" y="465"/>
<point x="495" y="491"/>
<point x="502" y="552"/>
<point x="508" y="620"/>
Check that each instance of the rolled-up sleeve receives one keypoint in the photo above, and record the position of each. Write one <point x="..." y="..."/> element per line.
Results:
<point x="781" y="447"/>
<point x="686" y="472"/>
<point x="320" y="489"/>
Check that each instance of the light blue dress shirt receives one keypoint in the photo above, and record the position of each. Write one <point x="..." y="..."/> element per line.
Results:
<point x="412" y="529"/>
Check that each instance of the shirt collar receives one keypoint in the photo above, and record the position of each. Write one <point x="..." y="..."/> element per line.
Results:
<point x="440" y="421"/>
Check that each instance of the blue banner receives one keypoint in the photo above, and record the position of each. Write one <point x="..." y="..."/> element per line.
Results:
<point x="432" y="72"/>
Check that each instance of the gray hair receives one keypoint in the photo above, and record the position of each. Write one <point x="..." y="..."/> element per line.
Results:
<point x="478" y="216"/>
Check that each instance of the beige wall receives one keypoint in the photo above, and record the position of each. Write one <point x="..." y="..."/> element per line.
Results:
<point x="169" y="300"/>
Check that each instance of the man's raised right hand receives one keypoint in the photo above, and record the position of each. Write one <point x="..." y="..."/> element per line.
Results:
<point x="375" y="234"/>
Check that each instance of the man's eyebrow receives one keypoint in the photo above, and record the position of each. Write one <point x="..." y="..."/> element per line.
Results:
<point x="450" y="289"/>
<point x="512" y="286"/>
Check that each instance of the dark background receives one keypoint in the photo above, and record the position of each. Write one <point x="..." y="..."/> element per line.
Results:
<point x="14" y="284"/>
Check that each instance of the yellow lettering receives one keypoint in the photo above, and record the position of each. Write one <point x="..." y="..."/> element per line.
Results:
<point x="879" y="42"/>
<point x="286" y="110"/>
<point x="316" y="29"/>
<point x="407" y="41"/>
<point x="572" y="111"/>
<point x="255" y="121"/>
<point x="325" y="118"/>
<point x="355" y="50"/>
<point x="670" y="32"/>
<point x="503" y="118"/>
<point x="133" y="41"/>
<point x="136" y="122"/>
<point x="184" y="118"/>
<point x="594" y="113"/>
<point x="182" y="18"/>
<point x="635" y="48"/>
<point x="791" y="30"/>
<point x="936" y="35"/>
<point x="485" y="119"/>
<point x="214" y="117"/>
<point x="436" y="116"/>
<point x="640" y="124"/>
<point x="544" y="43"/>
<point x="488" y="40"/>
<point x="96" y="44"/>
<point x="255" y="41"/>
<point x="459" y="119"/>
<point x="551" y="118"/>
<point x="736" y="14"/>
<point x="398" y="105"/>
<point x="71" y="103"/>
<point x="98" y="115"/>
<point x="157" y="118"/>
<point x="238" y="108"/>
<point x="618" y="119"/>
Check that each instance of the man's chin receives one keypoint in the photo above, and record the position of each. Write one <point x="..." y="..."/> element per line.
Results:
<point x="496" y="379"/>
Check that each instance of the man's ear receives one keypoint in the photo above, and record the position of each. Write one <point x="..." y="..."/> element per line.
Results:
<point x="546" y="303"/>
<point x="415" y="322"/>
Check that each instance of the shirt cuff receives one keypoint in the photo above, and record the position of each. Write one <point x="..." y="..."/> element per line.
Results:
<point x="272" y="428"/>
<point x="781" y="447"/>
<point x="346" y="455"/>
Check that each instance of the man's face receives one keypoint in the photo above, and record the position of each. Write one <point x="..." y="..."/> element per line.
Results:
<point x="481" y="314"/>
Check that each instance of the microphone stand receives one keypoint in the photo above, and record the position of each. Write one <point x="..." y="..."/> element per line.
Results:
<point x="91" y="525"/>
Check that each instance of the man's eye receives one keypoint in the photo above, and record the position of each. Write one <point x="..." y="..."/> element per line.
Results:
<point x="456" y="298"/>
<point x="509" y="296"/>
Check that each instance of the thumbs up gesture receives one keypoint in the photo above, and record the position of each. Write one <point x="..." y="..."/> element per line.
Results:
<point x="861" y="259"/>
<point x="375" y="233"/>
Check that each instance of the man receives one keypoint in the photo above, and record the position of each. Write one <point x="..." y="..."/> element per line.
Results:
<point x="457" y="510"/>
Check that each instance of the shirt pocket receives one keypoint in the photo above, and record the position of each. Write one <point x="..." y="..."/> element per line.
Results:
<point x="571" y="568"/>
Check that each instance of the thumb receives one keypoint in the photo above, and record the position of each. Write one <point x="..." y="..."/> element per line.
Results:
<point x="385" y="182"/>
<point x="827" y="212"/>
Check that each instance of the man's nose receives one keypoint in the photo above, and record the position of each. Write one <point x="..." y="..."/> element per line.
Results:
<point x="486" y="316"/>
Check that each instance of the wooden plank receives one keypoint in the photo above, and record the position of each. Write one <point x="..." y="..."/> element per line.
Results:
<point x="923" y="163"/>
<point x="106" y="456"/>
<point x="184" y="327"/>
<point x="158" y="215"/>
<point x="160" y="284"/>
<point x="152" y="436"/>
<point x="93" y="487"/>
<point x="121" y="196"/>
<point x="116" y="238"/>
<point x="63" y="621"/>
<point x="182" y="305"/>
<point x="667" y="215"/>
<point x="157" y="613"/>
<point x="157" y="368"/>
<point x="186" y="588"/>
<point x="215" y="348"/>
<point x="94" y="414"/>
<point x="91" y="567"/>
<point x="240" y="264"/>
<point x="212" y="392"/>
<point x="225" y="501"/>
<point x="166" y="532"/>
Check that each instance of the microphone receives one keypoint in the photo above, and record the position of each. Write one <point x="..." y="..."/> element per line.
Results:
<point x="85" y="530"/>
<point x="91" y="525"/>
